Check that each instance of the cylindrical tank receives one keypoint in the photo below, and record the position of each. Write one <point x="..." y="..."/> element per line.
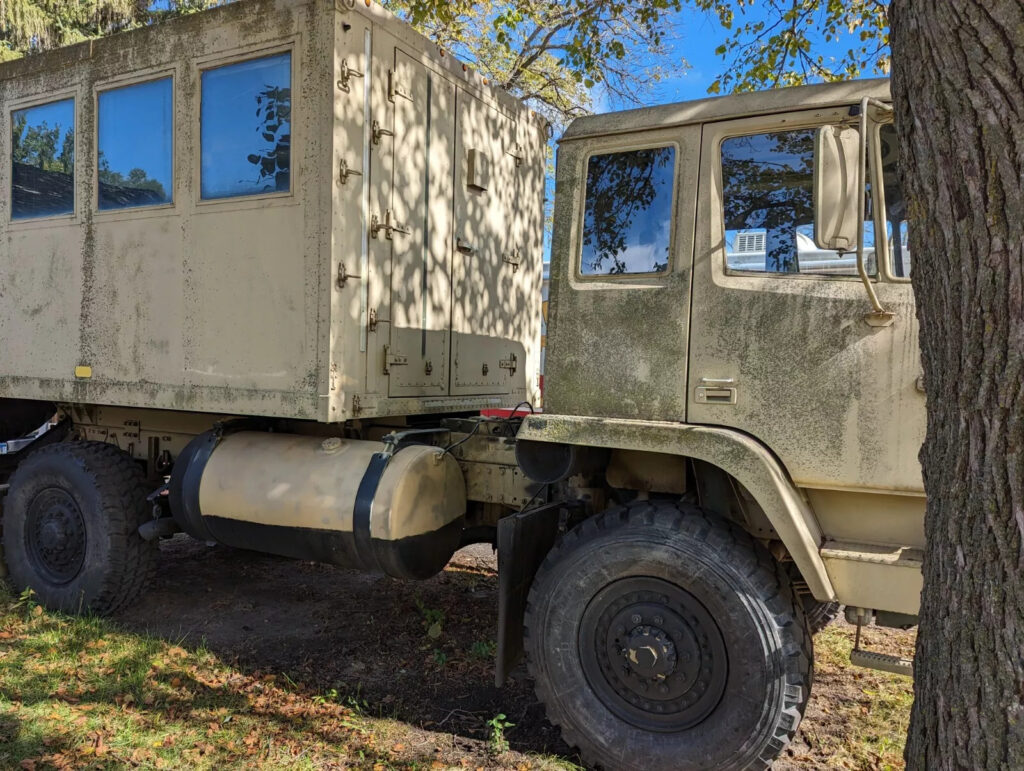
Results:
<point x="343" y="501"/>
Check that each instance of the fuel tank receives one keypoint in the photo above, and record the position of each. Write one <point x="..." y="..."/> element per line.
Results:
<point x="352" y="503"/>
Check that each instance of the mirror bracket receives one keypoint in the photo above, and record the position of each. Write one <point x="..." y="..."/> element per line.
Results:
<point x="879" y="316"/>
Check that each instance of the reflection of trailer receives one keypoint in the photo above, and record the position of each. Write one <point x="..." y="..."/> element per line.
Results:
<point x="746" y="252"/>
<point x="280" y="333"/>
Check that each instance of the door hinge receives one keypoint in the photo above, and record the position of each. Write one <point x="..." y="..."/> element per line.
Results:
<point x="388" y="226"/>
<point x="516" y="151"/>
<point x="344" y="275"/>
<point x="393" y="360"/>
<point x="345" y="75"/>
<point x="397" y="88"/>
<point x="510" y="364"/>
<point x="514" y="259"/>
<point x="344" y="172"/>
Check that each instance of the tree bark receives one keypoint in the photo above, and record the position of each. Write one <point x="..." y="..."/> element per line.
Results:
<point x="958" y="87"/>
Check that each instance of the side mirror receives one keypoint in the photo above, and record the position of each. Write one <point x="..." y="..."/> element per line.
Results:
<point x="836" y="188"/>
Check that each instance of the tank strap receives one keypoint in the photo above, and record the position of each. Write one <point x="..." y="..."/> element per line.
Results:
<point x="361" y="511"/>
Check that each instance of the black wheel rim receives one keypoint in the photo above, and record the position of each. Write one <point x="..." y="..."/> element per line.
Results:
<point x="652" y="654"/>
<point x="55" y="535"/>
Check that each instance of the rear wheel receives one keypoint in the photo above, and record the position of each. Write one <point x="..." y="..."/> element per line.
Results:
<point x="70" y="527"/>
<point x="662" y="637"/>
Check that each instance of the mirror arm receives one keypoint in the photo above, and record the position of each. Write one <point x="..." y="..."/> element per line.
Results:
<point x="879" y="316"/>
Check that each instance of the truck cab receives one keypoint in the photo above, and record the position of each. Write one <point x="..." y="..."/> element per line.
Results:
<point x="736" y="375"/>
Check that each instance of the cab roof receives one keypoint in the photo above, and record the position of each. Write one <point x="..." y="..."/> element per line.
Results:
<point x="727" y="107"/>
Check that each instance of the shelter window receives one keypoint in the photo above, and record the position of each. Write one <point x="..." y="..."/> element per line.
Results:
<point x="246" y="128"/>
<point x="43" y="160"/>
<point x="627" y="219"/>
<point x="136" y="138"/>
<point x="768" y="188"/>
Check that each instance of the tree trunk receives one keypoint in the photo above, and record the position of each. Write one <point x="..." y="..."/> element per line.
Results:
<point x="958" y="86"/>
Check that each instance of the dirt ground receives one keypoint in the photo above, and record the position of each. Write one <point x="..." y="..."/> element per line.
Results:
<point x="417" y="653"/>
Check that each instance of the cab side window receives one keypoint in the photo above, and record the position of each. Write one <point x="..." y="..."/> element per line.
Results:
<point x="768" y="187"/>
<point x="627" y="220"/>
<point x="895" y="203"/>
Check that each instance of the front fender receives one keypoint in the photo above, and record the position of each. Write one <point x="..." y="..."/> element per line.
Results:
<point x="744" y="458"/>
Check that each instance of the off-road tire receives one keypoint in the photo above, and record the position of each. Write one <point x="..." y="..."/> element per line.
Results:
<point x="819" y="614"/>
<point x="70" y="528"/>
<point x="19" y="416"/>
<point x="747" y="601"/>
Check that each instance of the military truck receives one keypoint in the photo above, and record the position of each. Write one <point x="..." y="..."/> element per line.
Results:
<point x="271" y="277"/>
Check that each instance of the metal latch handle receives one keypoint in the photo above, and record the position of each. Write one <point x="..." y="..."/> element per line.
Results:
<point x="379" y="131"/>
<point x="463" y="246"/>
<point x="345" y="74"/>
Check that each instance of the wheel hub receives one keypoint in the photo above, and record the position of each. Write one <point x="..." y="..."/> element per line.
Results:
<point x="653" y="654"/>
<point x="650" y="652"/>
<point x="55" y="535"/>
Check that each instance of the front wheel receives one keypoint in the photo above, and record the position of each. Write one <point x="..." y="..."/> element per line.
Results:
<point x="661" y="637"/>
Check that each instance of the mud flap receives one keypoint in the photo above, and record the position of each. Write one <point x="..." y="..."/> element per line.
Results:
<point x="524" y="540"/>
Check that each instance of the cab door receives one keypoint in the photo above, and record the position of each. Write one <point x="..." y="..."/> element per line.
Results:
<point x="419" y="226"/>
<point x="779" y="346"/>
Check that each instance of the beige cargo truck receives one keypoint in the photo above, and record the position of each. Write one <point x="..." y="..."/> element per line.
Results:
<point x="266" y="272"/>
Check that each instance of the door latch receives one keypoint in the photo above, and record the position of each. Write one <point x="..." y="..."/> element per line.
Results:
<point x="344" y="172"/>
<point x="389" y="227"/>
<point x="463" y="246"/>
<point x="344" y="275"/>
<point x="379" y="131"/>
<point x="345" y="76"/>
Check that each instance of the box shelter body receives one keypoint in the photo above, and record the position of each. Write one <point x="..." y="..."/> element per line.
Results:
<point x="330" y="219"/>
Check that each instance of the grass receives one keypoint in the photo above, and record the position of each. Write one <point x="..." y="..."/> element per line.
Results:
<point x="82" y="693"/>
<point x="859" y="716"/>
<point x="79" y="693"/>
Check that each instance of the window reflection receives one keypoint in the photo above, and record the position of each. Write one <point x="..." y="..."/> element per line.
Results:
<point x="135" y="145"/>
<point x="768" y="187"/>
<point x="43" y="160"/>
<point x="628" y="212"/>
<point x="246" y="128"/>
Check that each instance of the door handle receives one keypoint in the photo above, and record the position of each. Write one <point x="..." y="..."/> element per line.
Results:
<point x="716" y="391"/>
<point x="465" y="247"/>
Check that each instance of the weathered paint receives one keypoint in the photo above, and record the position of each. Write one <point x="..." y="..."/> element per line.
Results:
<point x="834" y="400"/>
<point x="235" y="305"/>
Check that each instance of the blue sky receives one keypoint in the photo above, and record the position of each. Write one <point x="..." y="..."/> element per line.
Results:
<point x="698" y="34"/>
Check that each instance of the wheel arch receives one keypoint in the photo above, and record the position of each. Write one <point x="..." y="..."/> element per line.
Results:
<point x="740" y="456"/>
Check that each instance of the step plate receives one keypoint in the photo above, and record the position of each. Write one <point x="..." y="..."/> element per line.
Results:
<point x="882" y="661"/>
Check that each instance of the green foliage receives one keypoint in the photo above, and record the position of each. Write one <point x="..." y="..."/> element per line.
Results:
<point x="552" y="53"/>
<point x="29" y="26"/>
<point x="779" y="51"/>
<point x="484" y="649"/>
<point x="433" y="619"/>
<point x="497" y="742"/>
